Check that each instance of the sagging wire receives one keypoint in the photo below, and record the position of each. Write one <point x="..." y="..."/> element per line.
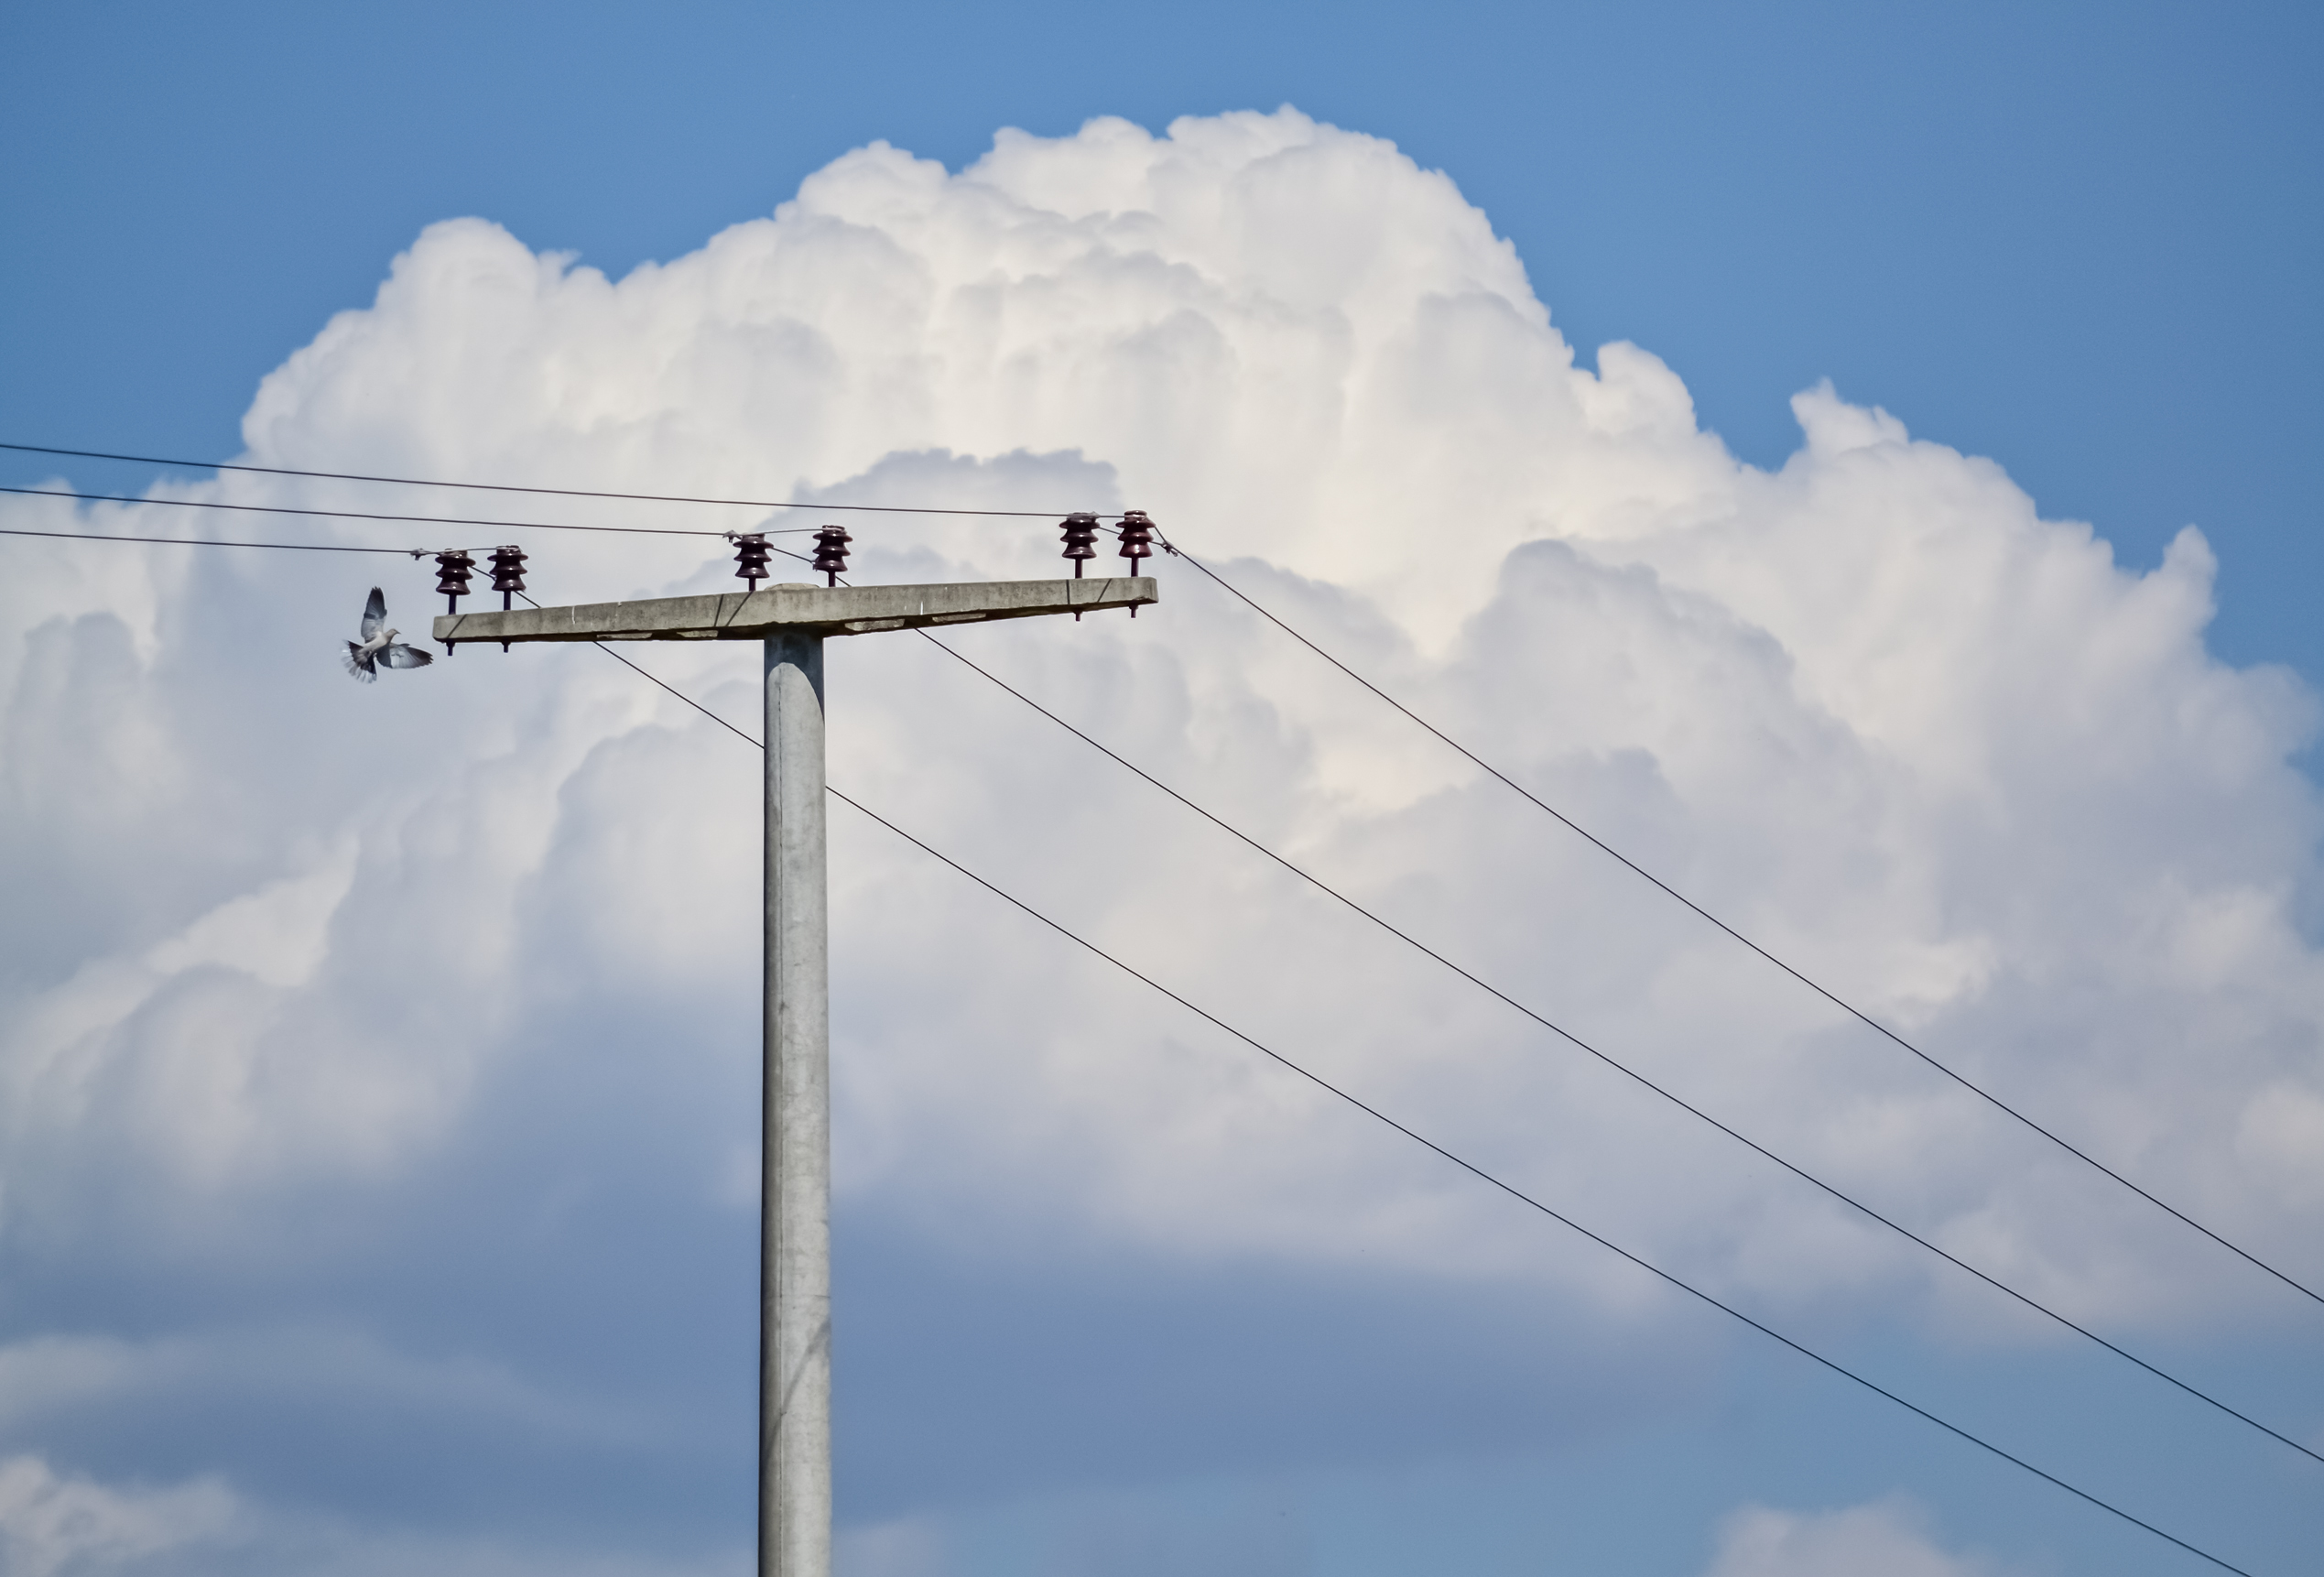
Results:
<point x="1468" y="1166"/>
<point x="367" y="515"/>
<point x="510" y="487"/>
<point x="1833" y="998"/>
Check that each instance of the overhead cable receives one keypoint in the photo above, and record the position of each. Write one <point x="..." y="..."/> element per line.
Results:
<point x="1963" y="1081"/>
<point x="1616" y="1065"/>
<point x="1468" y="1166"/>
<point x="217" y="542"/>
<point x="367" y="515"/>
<point x="511" y="487"/>
<point x="1268" y="615"/>
<point x="287" y="547"/>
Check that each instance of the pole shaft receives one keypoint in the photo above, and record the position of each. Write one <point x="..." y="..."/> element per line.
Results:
<point x="795" y="1241"/>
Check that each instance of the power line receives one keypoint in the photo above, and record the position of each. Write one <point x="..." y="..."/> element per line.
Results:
<point x="681" y="695"/>
<point x="1376" y="920"/>
<point x="206" y="542"/>
<point x="1470" y="1167"/>
<point x="509" y="487"/>
<point x="365" y="515"/>
<point x="1409" y="1133"/>
<point x="291" y="547"/>
<point x="1178" y="552"/>
<point x="1979" y="1091"/>
<point x="1617" y="1065"/>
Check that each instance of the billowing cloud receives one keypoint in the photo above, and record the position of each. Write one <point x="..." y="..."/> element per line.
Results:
<point x="303" y="952"/>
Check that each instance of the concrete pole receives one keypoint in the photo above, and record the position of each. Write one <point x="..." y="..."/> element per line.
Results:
<point x="795" y="1231"/>
<point x="794" y="1226"/>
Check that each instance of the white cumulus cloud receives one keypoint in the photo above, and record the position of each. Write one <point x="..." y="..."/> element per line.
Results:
<point x="1870" y="707"/>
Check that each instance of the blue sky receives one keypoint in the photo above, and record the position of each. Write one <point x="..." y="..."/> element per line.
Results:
<point x="2080" y="241"/>
<point x="2077" y="238"/>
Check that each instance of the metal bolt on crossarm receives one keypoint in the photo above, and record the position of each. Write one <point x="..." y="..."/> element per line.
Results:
<point x="831" y="553"/>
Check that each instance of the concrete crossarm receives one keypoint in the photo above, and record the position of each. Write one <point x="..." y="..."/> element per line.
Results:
<point x="819" y="610"/>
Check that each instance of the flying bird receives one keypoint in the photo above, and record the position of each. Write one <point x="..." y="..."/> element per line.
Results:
<point x="379" y="648"/>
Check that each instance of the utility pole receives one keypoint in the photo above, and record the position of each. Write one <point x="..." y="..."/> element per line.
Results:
<point x="795" y="1260"/>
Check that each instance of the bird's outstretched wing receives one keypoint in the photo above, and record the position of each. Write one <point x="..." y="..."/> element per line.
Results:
<point x="358" y="663"/>
<point x="402" y="656"/>
<point x="375" y="613"/>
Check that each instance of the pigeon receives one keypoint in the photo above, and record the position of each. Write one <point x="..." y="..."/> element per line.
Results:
<point x="379" y="648"/>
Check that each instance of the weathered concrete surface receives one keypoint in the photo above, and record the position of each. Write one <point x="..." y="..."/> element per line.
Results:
<point x="809" y="609"/>
<point x="795" y="1247"/>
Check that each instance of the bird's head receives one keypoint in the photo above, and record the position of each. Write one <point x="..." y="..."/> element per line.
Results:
<point x="389" y="635"/>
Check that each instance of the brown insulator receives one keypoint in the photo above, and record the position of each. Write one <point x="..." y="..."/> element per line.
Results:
<point x="508" y="575"/>
<point x="1137" y="537"/>
<point x="1138" y="542"/>
<point x="1080" y="539"/>
<point x="831" y="553"/>
<point x="751" y="552"/>
<point x="455" y="567"/>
